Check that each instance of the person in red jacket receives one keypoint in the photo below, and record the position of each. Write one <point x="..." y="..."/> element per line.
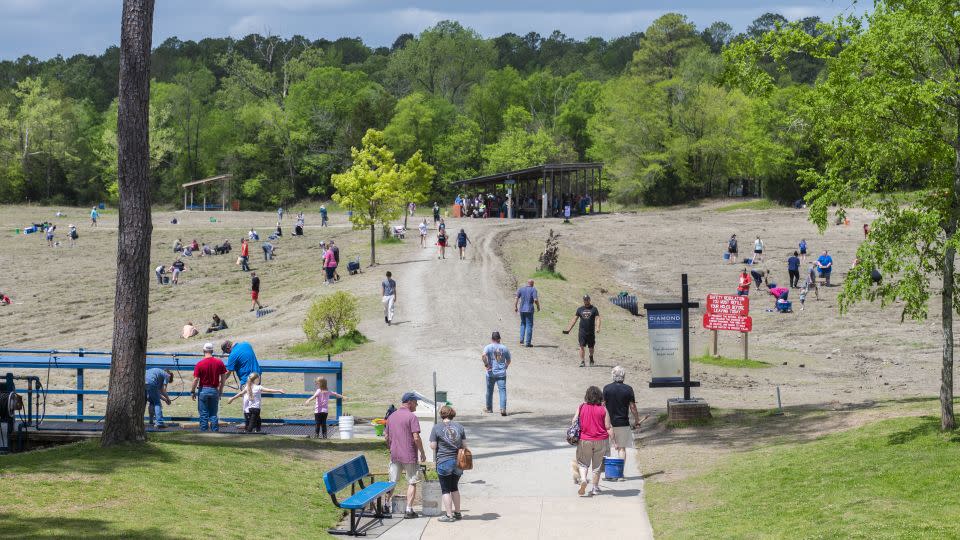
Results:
<point x="244" y="255"/>
<point x="743" y="287"/>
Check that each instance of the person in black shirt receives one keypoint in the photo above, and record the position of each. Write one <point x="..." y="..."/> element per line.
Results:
<point x="255" y="291"/>
<point x="589" y="317"/>
<point x="620" y="402"/>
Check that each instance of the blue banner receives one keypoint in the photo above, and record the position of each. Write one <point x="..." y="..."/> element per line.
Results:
<point x="665" y="331"/>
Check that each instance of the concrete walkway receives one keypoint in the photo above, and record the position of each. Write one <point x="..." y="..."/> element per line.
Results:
<point x="522" y="487"/>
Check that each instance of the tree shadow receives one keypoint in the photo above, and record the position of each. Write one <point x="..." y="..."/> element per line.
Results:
<point x="928" y="425"/>
<point x="86" y="457"/>
<point x="16" y="526"/>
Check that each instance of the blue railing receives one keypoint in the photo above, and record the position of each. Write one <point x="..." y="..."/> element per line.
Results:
<point x="81" y="360"/>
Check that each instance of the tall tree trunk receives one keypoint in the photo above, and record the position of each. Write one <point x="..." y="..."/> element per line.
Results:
<point x="947" y="420"/>
<point x="124" y="417"/>
<point x="373" y="244"/>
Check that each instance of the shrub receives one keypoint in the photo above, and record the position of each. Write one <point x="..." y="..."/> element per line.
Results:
<point x="331" y="317"/>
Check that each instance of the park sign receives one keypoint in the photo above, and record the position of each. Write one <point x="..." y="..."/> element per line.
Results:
<point x="728" y="312"/>
<point x="665" y="330"/>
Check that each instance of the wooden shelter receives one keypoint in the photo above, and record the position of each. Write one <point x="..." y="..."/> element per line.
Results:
<point x="203" y="185"/>
<point x="549" y="187"/>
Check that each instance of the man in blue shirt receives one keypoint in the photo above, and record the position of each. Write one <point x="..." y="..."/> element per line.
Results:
<point x="526" y="299"/>
<point x="496" y="360"/>
<point x="242" y="360"/>
<point x="156" y="383"/>
<point x="825" y="263"/>
<point x="793" y="267"/>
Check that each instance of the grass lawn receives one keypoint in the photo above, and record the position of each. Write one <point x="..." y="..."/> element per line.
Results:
<point x="756" y="204"/>
<point x="723" y="361"/>
<point x="177" y="486"/>
<point x="890" y="479"/>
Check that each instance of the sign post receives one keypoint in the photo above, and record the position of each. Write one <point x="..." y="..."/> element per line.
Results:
<point x="668" y="326"/>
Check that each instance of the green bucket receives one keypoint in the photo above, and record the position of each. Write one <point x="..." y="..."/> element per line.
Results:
<point x="378" y="428"/>
<point x="213" y="220"/>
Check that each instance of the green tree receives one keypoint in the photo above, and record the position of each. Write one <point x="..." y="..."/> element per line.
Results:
<point x="375" y="188"/>
<point x="887" y="116"/>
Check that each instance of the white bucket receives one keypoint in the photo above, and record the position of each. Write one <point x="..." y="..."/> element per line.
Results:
<point x="431" y="498"/>
<point x="346" y="426"/>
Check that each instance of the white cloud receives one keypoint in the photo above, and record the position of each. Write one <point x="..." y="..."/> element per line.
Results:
<point x="250" y="24"/>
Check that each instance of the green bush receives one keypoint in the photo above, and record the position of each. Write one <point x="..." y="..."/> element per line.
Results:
<point x="331" y="317"/>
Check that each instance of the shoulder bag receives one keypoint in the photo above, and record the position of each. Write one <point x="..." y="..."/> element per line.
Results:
<point x="573" y="432"/>
<point x="464" y="459"/>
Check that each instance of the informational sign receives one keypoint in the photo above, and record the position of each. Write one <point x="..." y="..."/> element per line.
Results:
<point x="722" y="321"/>
<point x="665" y="329"/>
<point x="728" y="304"/>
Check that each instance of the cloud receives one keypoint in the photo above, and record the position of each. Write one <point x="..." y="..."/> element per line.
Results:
<point x="250" y="24"/>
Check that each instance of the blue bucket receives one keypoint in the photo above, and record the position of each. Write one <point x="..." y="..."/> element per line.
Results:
<point x="613" y="467"/>
<point x="726" y="256"/>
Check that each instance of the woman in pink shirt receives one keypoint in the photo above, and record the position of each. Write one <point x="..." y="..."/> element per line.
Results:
<point x="329" y="264"/>
<point x="594" y="442"/>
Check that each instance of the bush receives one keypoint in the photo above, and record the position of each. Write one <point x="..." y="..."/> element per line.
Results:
<point x="331" y="317"/>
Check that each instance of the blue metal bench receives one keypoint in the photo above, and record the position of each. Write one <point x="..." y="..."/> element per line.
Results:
<point x="352" y="474"/>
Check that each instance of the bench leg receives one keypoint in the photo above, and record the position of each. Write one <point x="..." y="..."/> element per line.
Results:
<point x="354" y="521"/>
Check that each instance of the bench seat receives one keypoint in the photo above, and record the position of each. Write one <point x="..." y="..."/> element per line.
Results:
<point x="365" y="496"/>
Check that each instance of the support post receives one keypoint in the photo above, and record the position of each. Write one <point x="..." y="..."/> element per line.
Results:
<point x="79" y="395"/>
<point x="746" y="345"/>
<point x="715" y="343"/>
<point x="684" y="315"/>
<point x="435" y="408"/>
<point x="339" y="391"/>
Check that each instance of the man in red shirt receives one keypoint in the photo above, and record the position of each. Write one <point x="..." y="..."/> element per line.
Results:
<point x="209" y="375"/>
<point x="244" y="255"/>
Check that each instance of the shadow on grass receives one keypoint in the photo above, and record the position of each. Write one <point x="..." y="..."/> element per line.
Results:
<point x="16" y="526"/>
<point x="273" y="443"/>
<point x="928" y="425"/>
<point x="86" y="457"/>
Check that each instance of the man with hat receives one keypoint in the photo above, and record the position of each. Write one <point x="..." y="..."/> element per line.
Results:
<point x="209" y="375"/>
<point x="589" y="317"/>
<point x="496" y="360"/>
<point x="402" y="435"/>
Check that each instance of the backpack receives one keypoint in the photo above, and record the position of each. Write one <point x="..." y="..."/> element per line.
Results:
<point x="573" y="432"/>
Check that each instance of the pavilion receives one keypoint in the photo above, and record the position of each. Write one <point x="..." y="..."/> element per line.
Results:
<point x="223" y="180"/>
<point x="546" y="186"/>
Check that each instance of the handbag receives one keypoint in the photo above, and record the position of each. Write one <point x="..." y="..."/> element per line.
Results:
<point x="464" y="459"/>
<point x="573" y="432"/>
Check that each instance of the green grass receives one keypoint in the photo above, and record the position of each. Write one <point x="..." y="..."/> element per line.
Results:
<point x="344" y="343"/>
<point x="723" y="361"/>
<point x="389" y="240"/>
<point x="177" y="486"/>
<point x="890" y="479"/>
<point x="546" y="274"/>
<point x="756" y="204"/>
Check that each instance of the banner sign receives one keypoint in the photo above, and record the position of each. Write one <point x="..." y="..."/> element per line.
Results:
<point x="735" y="323"/>
<point x="665" y="329"/>
<point x="728" y="304"/>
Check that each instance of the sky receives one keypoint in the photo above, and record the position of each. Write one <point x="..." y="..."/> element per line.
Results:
<point x="45" y="28"/>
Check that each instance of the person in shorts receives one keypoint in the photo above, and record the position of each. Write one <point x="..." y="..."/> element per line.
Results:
<point x="255" y="292"/>
<point x="402" y="435"/>
<point x="423" y="233"/>
<point x="757" y="251"/>
<point x="589" y="317"/>
<point x="620" y="401"/>
<point x="732" y="248"/>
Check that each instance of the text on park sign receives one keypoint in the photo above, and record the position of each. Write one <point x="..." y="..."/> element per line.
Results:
<point x="728" y="304"/>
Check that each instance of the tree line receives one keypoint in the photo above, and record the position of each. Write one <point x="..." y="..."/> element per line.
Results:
<point x="282" y="115"/>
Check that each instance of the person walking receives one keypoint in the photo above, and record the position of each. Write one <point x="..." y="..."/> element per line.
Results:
<point x="209" y="375"/>
<point x="825" y="264"/>
<point x="336" y="260"/>
<point x="496" y="360"/>
<point x="810" y="284"/>
<point x="402" y="435"/>
<point x="156" y="384"/>
<point x="594" y="443"/>
<point x="462" y="241"/>
<point x="93" y="216"/>
<point x="446" y="440"/>
<point x="279" y="215"/>
<point x="793" y="268"/>
<point x="732" y="248"/>
<point x="589" y="317"/>
<point x="423" y="233"/>
<point x="244" y="255"/>
<point x="255" y="292"/>
<point x="442" y="244"/>
<point x="866" y="230"/>
<point x="323" y="216"/>
<point x="757" y="251"/>
<point x="436" y="212"/>
<point x="803" y="250"/>
<point x="620" y="401"/>
<point x="329" y="265"/>
<point x="389" y="289"/>
<point x="527" y="299"/>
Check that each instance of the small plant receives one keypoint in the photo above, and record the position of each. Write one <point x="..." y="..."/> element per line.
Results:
<point x="550" y="255"/>
<point x="331" y="317"/>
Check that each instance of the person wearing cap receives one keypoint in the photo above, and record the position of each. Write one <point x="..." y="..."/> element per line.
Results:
<point x="496" y="360"/>
<point x="73" y="235"/>
<point x="241" y="361"/>
<point x="402" y="435"/>
<point x="209" y="375"/>
<point x="527" y="298"/>
<point x="589" y="317"/>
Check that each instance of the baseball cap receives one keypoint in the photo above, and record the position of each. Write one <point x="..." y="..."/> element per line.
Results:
<point x="208" y="347"/>
<point x="586" y="297"/>
<point x="409" y="396"/>
<point x="496" y="335"/>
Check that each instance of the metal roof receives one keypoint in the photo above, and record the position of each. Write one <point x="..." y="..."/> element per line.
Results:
<point x="530" y="173"/>
<point x="207" y="180"/>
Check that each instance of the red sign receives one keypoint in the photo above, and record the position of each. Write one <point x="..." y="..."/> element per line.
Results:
<point x="735" y="323"/>
<point x="728" y="304"/>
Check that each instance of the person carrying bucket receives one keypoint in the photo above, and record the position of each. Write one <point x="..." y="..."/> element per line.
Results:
<point x="620" y="401"/>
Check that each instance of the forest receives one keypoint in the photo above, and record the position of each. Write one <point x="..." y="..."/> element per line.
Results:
<point x="281" y="115"/>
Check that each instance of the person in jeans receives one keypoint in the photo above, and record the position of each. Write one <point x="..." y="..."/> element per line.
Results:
<point x="156" y="381"/>
<point x="402" y="435"/>
<point x="208" y="377"/>
<point x="496" y="360"/>
<point x="389" y="289"/>
<point x="793" y="268"/>
<point x="244" y="255"/>
<point x="594" y="441"/>
<point x="620" y="401"/>
<point x="527" y="298"/>
<point x="446" y="439"/>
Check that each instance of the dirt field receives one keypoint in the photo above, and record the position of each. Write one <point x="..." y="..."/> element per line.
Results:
<point x="446" y="308"/>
